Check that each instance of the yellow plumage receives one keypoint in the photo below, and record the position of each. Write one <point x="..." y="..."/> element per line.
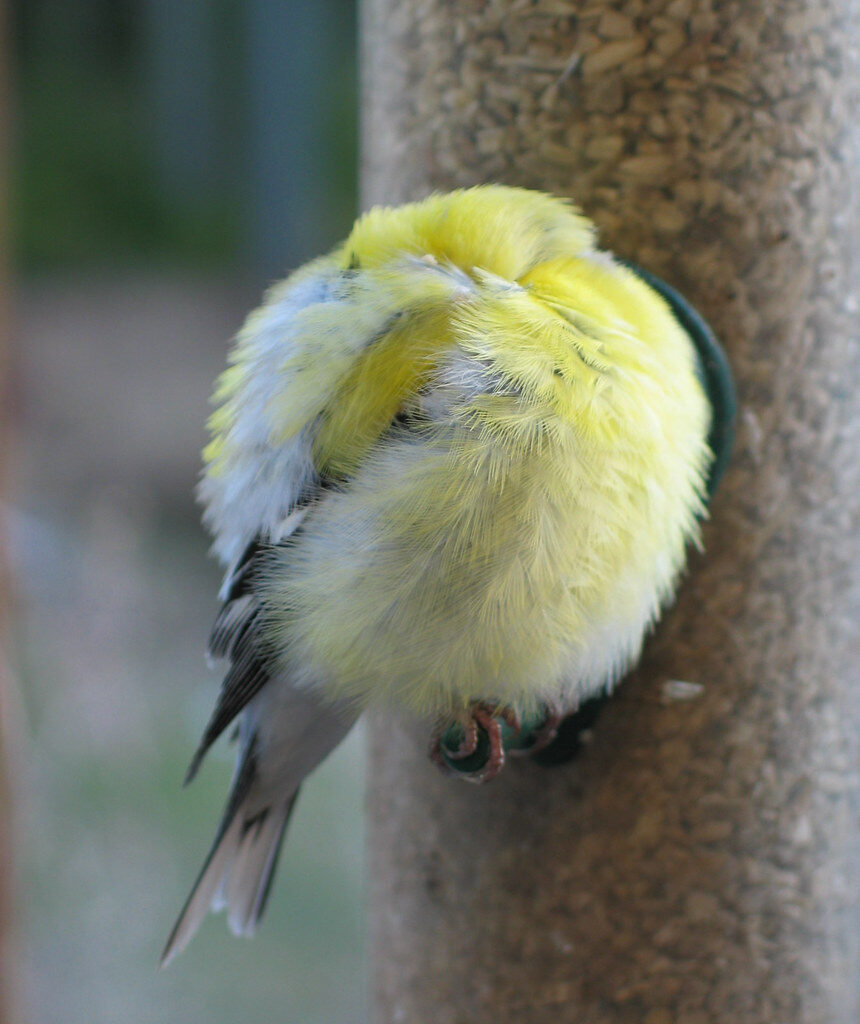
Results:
<point x="454" y="467"/>
<point x="518" y="537"/>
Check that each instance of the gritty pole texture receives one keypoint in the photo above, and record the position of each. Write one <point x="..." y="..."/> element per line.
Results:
<point x="698" y="864"/>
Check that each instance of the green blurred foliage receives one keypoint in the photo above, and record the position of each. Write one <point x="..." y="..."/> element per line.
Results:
<point x="84" y="190"/>
<point x="86" y="184"/>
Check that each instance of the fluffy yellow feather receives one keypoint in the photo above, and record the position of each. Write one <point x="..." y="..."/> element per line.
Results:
<point x="515" y="538"/>
<point x="457" y="460"/>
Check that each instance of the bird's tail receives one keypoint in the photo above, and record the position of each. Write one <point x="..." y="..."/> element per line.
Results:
<point x="237" y="873"/>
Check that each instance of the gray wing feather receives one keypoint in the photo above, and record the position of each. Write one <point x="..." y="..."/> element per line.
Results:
<point x="285" y="734"/>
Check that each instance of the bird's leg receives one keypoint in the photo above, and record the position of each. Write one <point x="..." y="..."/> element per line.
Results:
<point x="487" y="717"/>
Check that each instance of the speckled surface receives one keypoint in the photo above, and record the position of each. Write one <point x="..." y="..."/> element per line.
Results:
<point x="699" y="863"/>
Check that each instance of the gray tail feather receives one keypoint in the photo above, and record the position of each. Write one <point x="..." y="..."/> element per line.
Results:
<point x="237" y="873"/>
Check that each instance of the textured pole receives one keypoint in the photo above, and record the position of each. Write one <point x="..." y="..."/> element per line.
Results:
<point x="698" y="864"/>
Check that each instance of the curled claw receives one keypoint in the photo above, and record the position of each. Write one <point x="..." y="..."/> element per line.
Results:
<point x="442" y="752"/>
<point x="490" y="719"/>
<point x="475" y="747"/>
<point x="540" y="733"/>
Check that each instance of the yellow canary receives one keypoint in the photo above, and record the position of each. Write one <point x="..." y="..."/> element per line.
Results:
<point x="454" y="468"/>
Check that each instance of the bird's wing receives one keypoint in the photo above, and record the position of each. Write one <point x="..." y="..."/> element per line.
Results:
<point x="318" y="375"/>
<point x="315" y="378"/>
<point x="236" y="635"/>
<point x="261" y="479"/>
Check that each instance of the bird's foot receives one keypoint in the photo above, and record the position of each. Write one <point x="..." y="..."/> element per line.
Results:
<point x="480" y="753"/>
<point x="541" y="733"/>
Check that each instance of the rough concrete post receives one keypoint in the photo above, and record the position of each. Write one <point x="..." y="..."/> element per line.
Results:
<point x="699" y="863"/>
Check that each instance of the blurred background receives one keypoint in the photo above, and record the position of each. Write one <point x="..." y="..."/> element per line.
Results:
<point x="169" y="159"/>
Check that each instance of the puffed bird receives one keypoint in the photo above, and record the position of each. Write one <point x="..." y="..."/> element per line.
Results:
<point x="454" y="468"/>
